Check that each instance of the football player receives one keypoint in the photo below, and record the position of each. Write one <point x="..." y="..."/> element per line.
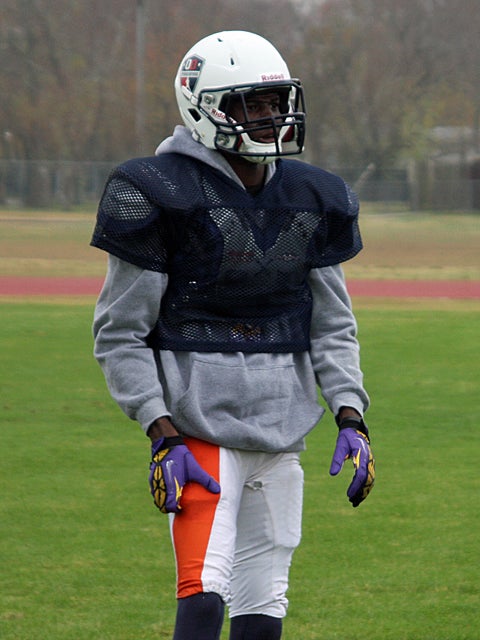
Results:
<point x="223" y="309"/>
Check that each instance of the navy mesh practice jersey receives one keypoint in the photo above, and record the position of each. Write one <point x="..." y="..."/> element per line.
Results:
<point x="237" y="264"/>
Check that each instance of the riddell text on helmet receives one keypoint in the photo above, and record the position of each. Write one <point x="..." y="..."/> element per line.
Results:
<point x="267" y="77"/>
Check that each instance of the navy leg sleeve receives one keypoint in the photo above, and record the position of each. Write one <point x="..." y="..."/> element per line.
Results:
<point x="255" y="627"/>
<point x="200" y="617"/>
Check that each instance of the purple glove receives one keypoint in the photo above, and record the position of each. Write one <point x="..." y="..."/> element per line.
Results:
<point x="172" y="466"/>
<point x="354" y="444"/>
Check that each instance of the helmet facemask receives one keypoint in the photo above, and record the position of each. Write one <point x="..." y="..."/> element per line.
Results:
<point x="257" y="139"/>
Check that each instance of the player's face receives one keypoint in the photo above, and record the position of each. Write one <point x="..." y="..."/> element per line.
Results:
<point x="254" y="107"/>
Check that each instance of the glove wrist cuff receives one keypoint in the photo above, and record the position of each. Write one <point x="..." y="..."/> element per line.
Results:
<point x="171" y="441"/>
<point x="166" y="443"/>
<point x="351" y="422"/>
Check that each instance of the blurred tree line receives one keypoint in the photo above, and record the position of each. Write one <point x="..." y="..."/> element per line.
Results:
<point x="378" y="74"/>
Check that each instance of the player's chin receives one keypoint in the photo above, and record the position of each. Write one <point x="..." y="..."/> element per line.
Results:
<point x="266" y="139"/>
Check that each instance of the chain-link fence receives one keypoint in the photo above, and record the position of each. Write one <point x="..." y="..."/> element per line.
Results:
<point x="51" y="184"/>
<point x="69" y="184"/>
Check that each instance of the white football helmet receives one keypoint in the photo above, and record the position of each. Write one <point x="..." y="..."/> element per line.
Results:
<point x="237" y="65"/>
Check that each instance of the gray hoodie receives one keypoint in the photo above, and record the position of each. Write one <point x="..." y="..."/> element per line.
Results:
<point x="262" y="402"/>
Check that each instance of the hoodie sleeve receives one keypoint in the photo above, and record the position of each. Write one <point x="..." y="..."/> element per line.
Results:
<point x="126" y="312"/>
<point x="335" y="351"/>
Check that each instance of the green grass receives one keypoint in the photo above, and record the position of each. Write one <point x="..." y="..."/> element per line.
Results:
<point x="84" y="554"/>
<point x="404" y="566"/>
<point x="82" y="548"/>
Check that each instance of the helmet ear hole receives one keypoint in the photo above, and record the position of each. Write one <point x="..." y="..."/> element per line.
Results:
<point x="195" y="115"/>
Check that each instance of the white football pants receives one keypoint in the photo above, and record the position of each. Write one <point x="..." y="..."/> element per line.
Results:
<point x="240" y="543"/>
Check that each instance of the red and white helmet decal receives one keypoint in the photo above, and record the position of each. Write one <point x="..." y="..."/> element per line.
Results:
<point x="190" y="72"/>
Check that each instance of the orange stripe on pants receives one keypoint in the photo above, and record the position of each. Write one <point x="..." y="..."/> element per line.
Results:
<point x="192" y="526"/>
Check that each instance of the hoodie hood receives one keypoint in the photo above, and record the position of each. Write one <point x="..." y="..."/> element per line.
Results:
<point x="182" y="142"/>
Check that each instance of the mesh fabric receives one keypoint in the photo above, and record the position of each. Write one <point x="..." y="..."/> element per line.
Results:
<point x="237" y="263"/>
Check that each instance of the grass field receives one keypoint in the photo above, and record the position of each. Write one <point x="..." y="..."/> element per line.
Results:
<point x="84" y="554"/>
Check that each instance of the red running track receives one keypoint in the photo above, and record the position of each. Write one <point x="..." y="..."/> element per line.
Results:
<point x="40" y="286"/>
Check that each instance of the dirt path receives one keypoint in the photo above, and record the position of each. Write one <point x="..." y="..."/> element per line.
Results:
<point x="458" y="289"/>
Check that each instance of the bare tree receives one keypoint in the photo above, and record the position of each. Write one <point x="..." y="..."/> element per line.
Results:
<point x="378" y="69"/>
<point x="377" y="73"/>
